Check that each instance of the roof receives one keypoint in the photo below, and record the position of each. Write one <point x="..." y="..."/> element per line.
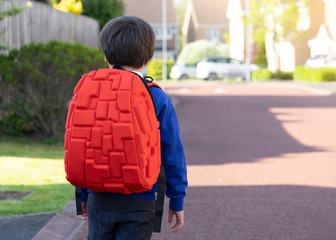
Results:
<point x="150" y="10"/>
<point x="213" y="12"/>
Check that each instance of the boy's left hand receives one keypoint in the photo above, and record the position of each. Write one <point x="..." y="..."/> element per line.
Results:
<point x="179" y="220"/>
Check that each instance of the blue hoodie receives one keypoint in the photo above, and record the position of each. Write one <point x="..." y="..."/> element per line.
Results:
<point x="172" y="156"/>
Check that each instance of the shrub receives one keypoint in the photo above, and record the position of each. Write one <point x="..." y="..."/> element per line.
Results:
<point x="103" y="10"/>
<point x="262" y="75"/>
<point x="193" y="52"/>
<point x="13" y="124"/>
<point x="282" y="75"/>
<point x="37" y="83"/>
<point x="302" y="74"/>
<point x="155" y="68"/>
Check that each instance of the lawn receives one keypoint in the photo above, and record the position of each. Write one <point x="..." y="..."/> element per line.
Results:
<point x="37" y="170"/>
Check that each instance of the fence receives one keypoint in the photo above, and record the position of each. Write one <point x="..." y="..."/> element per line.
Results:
<point x="42" y="23"/>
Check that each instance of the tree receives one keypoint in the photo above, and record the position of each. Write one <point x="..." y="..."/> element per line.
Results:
<point x="13" y="10"/>
<point x="193" y="52"/>
<point x="103" y="10"/>
<point x="278" y="18"/>
<point x="181" y="7"/>
<point x="261" y="59"/>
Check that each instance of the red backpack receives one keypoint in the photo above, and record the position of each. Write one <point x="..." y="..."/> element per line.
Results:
<point x="112" y="139"/>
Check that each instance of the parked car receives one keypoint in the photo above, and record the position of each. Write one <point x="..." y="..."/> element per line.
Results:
<point x="331" y="63"/>
<point x="222" y="67"/>
<point x="183" y="71"/>
<point x="317" y="61"/>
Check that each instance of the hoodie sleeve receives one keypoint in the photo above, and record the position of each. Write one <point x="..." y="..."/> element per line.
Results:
<point x="172" y="152"/>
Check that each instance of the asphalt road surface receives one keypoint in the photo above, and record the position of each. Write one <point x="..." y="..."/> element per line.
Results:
<point x="261" y="162"/>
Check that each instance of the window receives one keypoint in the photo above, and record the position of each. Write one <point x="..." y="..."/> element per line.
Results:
<point x="223" y="60"/>
<point x="211" y="34"/>
<point x="158" y="55"/>
<point x="159" y="32"/>
<point x="235" y="61"/>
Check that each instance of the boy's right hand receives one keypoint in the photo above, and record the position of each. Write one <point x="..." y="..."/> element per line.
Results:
<point x="179" y="220"/>
<point x="84" y="216"/>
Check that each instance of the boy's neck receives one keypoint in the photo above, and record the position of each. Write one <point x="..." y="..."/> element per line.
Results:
<point x="130" y="69"/>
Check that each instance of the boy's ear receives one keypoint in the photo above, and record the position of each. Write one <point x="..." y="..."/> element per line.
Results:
<point x="105" y="59"/>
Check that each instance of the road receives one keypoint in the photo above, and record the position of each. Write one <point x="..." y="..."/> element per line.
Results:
<point x="261" y="162"/>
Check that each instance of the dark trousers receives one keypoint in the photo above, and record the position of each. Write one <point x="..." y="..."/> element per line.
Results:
<point x="119" y="218"/>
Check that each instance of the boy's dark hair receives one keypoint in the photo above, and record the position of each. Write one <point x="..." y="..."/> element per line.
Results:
<point x="128" y="41"/>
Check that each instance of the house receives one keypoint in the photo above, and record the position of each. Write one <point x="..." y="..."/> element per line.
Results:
<point x="314" y="21"/>
<point x="219" y="20"/>
<point x="320" y="36"/>
<point x="324" y="42"/>
<point x="205" y="20"/>
<point x="151" y="11"/>
<point x="319" y="24"/>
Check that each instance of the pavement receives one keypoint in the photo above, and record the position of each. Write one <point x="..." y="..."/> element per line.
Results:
<point x="43" y="226"/>
<point x="325" y="88"/>
<point x="63" y="226"/>
<point x="66" y="225"/>
<point x="23" y="226"/>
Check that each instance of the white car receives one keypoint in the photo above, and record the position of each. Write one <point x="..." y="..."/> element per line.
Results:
<point x="331" y="63"/>
<point x="182" y="71"/>
<point x="222" y="67"/>
<point x="317" y="61"/>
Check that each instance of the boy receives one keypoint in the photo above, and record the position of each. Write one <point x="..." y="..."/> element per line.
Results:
<point x="130" y="42"/>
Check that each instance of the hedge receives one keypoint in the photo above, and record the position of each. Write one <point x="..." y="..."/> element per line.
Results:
<point x="261" y="75"/>
<point x="266" y="75"/>
<point x="36" y="85"/>
<point x="155" y="68"/>
<point x="282" y="75"/>
<point x="302" y="74"/>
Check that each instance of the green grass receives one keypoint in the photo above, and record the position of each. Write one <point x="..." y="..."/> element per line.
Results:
<point x="17" y="147"/>
<point x="36" y="168"/>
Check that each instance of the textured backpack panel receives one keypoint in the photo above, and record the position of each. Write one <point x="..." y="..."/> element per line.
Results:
<point x="112" y="139"/>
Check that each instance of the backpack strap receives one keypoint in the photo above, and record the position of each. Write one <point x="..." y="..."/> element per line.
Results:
<point x="150" y="82"/>
<point x="78" y="194"/>
<point x="153" y="84"/>
<point x="159" y="203"/>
